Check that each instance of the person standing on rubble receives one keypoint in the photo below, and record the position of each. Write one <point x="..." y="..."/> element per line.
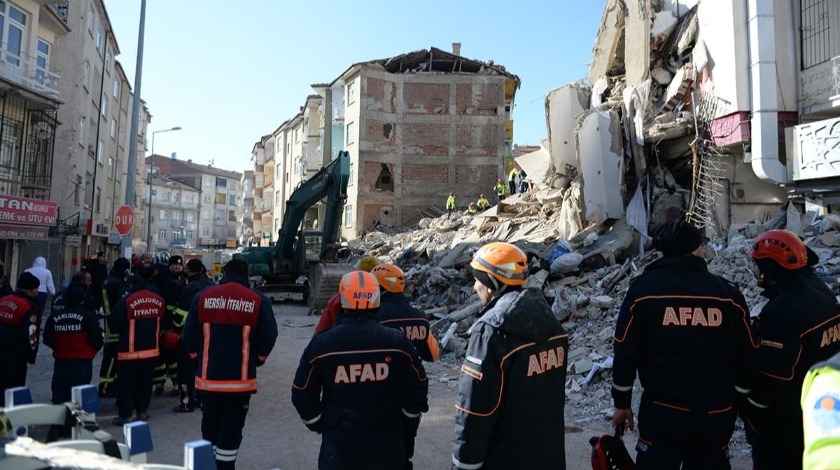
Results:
<point x="450" y="204"/>
<point x="482" y="204"/>
<point x="798" y="327"/>
<point x="511" y="393"/>
<point x="329" y="316"/>
<point x="512" y="179"/>
<point x="687" y="333"/>
<point x="501" y="190"/>
<point x="395" y="311"/>
<point x="360" y="384"/>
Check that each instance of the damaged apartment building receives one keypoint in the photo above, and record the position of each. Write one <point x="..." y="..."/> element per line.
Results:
<point x="417" y="126"/>
<point x="722" y="109"/>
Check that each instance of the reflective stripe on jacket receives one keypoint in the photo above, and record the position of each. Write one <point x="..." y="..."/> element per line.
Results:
<point x="137" y="319"/>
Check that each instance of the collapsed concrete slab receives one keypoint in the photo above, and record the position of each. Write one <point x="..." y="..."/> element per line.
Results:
<point x="562" y="107"/>
<point x="608" y="53"/>
<point x="602" y="165"/>
<point x="537" y="165"/>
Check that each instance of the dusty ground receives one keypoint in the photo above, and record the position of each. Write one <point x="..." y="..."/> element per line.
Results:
<point x="275" y="438"/>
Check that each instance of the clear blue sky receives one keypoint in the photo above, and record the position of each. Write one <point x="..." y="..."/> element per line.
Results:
<point x="229" y="73"/>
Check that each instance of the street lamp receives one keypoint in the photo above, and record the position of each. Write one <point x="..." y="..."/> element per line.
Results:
<point x="151" y="174"/>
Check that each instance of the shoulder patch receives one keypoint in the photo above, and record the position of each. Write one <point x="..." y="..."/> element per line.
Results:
<point x="826" y="414"/>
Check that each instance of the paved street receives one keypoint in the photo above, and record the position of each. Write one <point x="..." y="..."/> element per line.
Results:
<point x="274" y="436"/>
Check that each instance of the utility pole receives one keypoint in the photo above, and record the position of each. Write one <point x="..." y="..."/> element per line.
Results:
<point x="135" y="124"/>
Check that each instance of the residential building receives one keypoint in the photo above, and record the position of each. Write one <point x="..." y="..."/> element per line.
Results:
<point x="417" y="126"/>
<point x="247" y="236"/>
<point x="175" y="214"/>
<point x="260" y="206"/>
<point x="219" y="204"/>
<point x="30" y="98"/>
<point x="92" y="140"/>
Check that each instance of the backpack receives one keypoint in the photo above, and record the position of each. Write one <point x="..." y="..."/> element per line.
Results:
<point x="609" y="453"/>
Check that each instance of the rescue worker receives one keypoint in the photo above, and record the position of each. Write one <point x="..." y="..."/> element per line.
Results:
<point x="112" y="291"/>
<point x="230" y="331"/>
<point x="20" y="323"/>
<point x="512" y="179"/>
<point x="809" y="274"/>
<point x="360" y="384"/>
<point x="821" y="415"/>
<point x="798" y="327"/>
<point x="524" y="183"/>
<point x="329" y="315"/>
<point x="176" y="269"/>
<point x="396" y="312"/>
<point x="197" y="280"/>
<point x="501" y="190"/>
<point x="98" y="271"/>
<point x="167" y="283"/>
<point x="482" y="204"/>
<point x="511" y="392"/>
<point x="136" y="318"/>
<point x="687" y="333"/>
<point x="471" y="209"/>
<point x="450" y="204"/>
<point x="72" y="331"/>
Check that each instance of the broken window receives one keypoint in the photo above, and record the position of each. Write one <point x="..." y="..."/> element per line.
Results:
<point x="385" y="181"/>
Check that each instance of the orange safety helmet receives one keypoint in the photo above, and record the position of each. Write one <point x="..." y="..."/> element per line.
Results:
<point x="783" y="247"/>
<point x="358" y="290"/>
<point x="503" y="261"/>
<point x="390" y="277"/>
<point x="169" y="339"/>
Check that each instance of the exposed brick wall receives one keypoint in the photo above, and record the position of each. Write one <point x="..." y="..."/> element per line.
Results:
<point x="421" y="177"/>
<point x="426" y="98"/>
<point x="480" y="99"/>
<point x="475" y="179"/>
<point x="422" y="134"/>
<point x="381" y="94"/>
<point x="376" y="131"/>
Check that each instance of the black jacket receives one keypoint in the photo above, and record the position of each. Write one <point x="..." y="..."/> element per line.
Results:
<point x="136" y="318"/>
<point x="396" y="312"/>
<point x="20" y="328"/>
<point x="798" y="327"/>
<point x="688" y="334"/>
<point x="196" y="284"/>
<point x="240" y="334"/>
<point x="112" y="291"/>
<point x="511" y="397"/>
<point x="359" y="383"/>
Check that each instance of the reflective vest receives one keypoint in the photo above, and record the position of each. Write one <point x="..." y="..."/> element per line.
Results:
<point x="483" y="203"/>
<point x="450" y="202"/>
<point x="821" y="415"/>
<point x="501" y="189"/>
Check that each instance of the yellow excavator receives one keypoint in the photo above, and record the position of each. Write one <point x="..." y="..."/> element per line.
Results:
<point x="306" y="263"/>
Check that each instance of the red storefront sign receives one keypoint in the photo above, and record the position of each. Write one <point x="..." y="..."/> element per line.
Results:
<point x="25" y="211"/>
<point x="12" y="232"/>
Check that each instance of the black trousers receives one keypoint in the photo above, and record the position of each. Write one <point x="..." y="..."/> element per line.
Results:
<point x="186" y="378"/>
<point x="12" y="375"/>
<point x="134" y="390"/>
<point x="777" y="441"/>
<point x="222" y="420"/>
<point x="108" y="369"/>
<point x="671" y="438"/>
<point x="67" y="374"/>
<point x="166" y="366"/>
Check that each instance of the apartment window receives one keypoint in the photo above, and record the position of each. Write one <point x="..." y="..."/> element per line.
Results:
<point x="111" y="167"/>
<point x="8" y="143"/>
<point x="113" y="128"/>
<point x="82" y="130"/>
<point x="188" y="235"/>
<point x="190" y="217"/>
<point x="161" y="235"/>
<point x="12" y="26"/>
<point x="99" y="201"/>
<point x="90" y="18"/>
<point x="176" y="215"/>
<point x="351" y="93"/>
<point x="165" y="196"/>
<point x="42" y="60"/>
<point x="99" y="151"/>
<point x="205" y="215"/>
<point x="117" y="89"/>
<point x="105" y="105"/>
<point x="77" y="194"/>
<point x="231" y="216"/>
<point x="351" y="132"/>
<point x="205" y="231"/>
<point x="232" y="200"/>
<point x="100" y="37"/>
<point x="86" y="75"/>
<point x="817" y="44"/>
<point x="221" y="182"/>
<point x="208" y="182"/>
<point x="348" y="216"/>
<point x="109" y="208"/>
<point x="190" y="198"/>
<point x="108" y="62"/>
<point x="350" y="175"/>
<point x="162" y="214"/>
<point x="278" y="198"/>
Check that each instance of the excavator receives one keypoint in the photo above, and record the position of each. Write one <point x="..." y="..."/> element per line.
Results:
<point x="305" y="263"/>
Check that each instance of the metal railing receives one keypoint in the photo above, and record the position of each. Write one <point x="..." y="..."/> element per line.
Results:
<point x="23" y="70"/>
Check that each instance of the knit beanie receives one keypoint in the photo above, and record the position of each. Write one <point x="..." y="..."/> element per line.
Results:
<point x="677" y="237"/>
<point x="28" y="280"/>
<point x="195" y="265"/>
<point x="177" y="259"/>
<point x="121" y="265"/>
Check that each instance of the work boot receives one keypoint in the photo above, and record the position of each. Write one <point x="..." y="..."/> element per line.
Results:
<point x="142" y="416"/>
<point x="119" y="421"/>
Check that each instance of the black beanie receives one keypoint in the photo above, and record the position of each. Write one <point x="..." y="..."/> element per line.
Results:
<point x="28" y="280"/>
<point x="177" y="259"/>
<point x="677" y="237"/>
<point x="195" y="265"/>
<point x="122" y="265"/>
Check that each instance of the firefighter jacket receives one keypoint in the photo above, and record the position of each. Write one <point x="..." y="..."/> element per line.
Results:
<point x="687" y="333"/>
<point x="171" y="290"/>
<point x="72" y="330"/>
<point x="136" y="318"/>
<point x="812" y="279"/>
<point x="112" y="290"/>
<point x="798" y="327"/>
<point x="20" y="327"/>
<point x="359" y="383"/>
<point x="511" y="392"/>
<point x="230" y="330"/>
<point x="195" y="285"/>
<point x="396" y="312"/>
<point x="821" y="415"/>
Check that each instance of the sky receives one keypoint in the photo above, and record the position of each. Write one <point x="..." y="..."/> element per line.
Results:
<point x="228" y="73"/>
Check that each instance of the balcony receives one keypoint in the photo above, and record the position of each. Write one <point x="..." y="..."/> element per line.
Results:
<point x="23" y="70"/>
<point x="835" y="69"/>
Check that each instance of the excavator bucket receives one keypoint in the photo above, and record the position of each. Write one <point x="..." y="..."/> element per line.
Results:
<point x="323" y="284"/>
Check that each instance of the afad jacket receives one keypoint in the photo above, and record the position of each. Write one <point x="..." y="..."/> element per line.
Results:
<point x="229" y="331"/>
<point x="136" y="318"/>
<point x="396" y="312"/>
<point x="72" y="330"/>
<point x="360" y="384"/>
<point x="511" y="392"/>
